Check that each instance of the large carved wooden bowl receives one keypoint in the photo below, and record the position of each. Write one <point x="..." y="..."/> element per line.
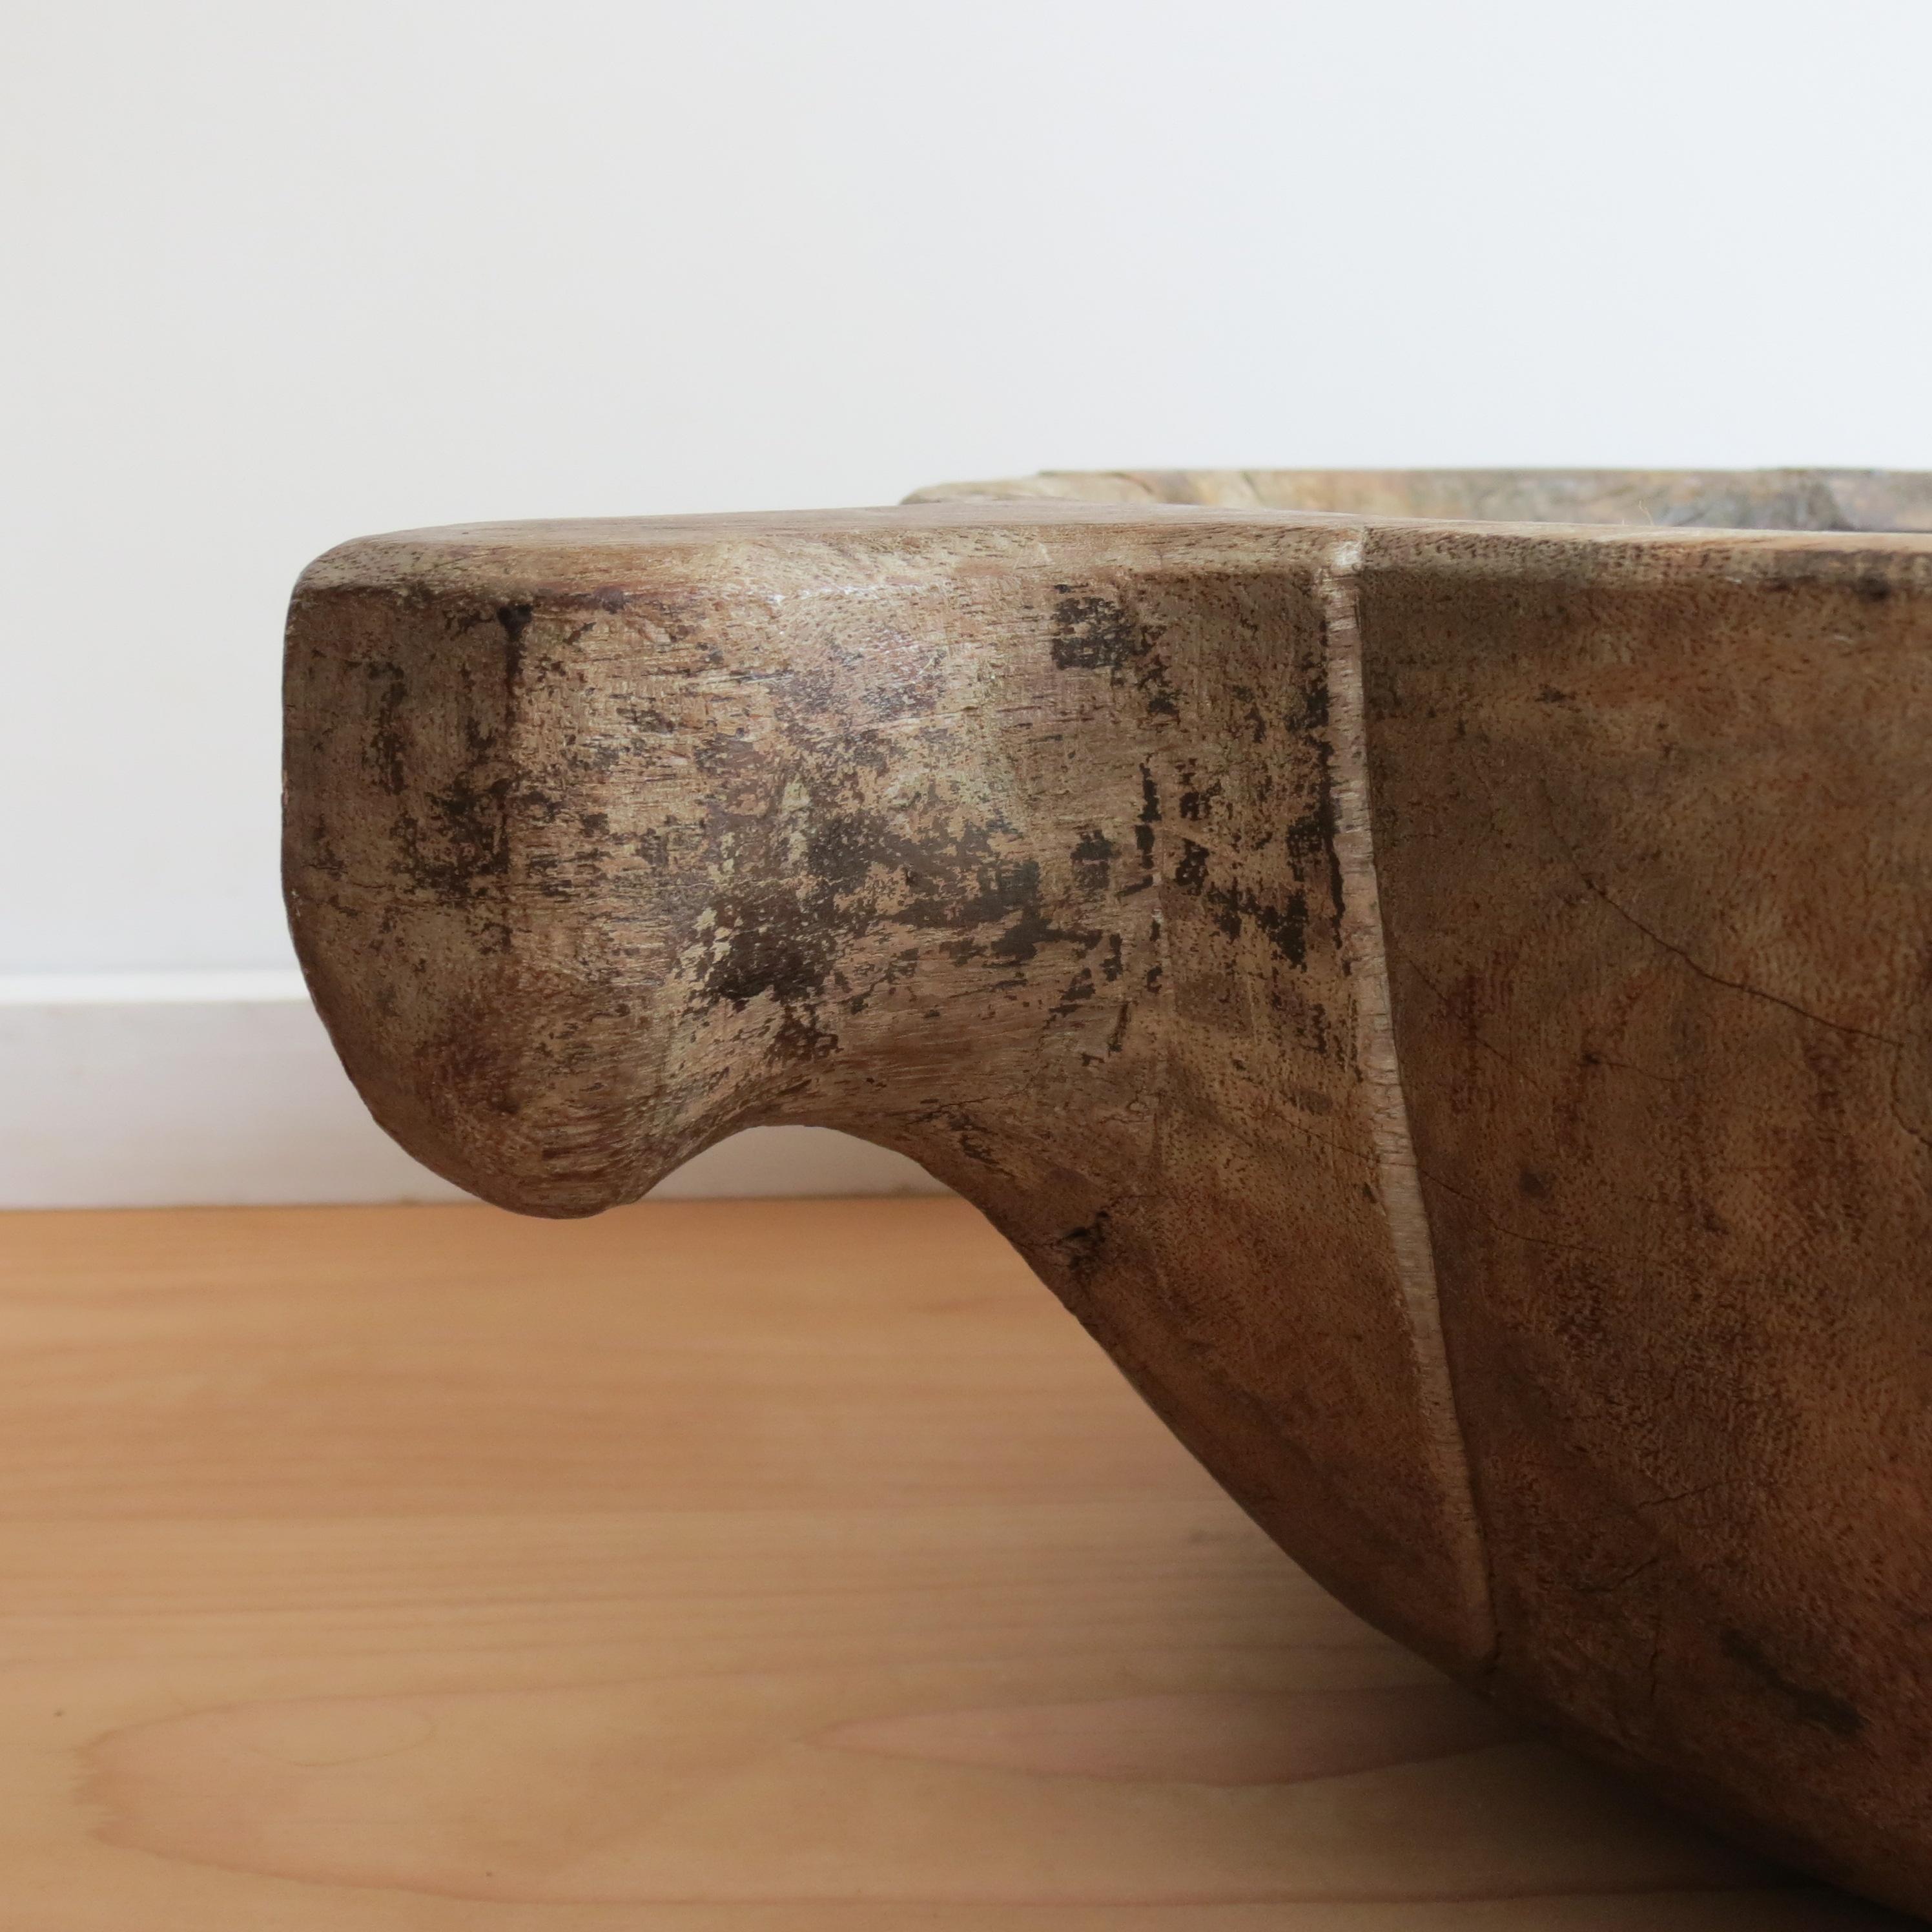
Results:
<point x="1447" y="1004"/>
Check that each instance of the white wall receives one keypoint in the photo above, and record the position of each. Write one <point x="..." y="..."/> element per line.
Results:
<point x="276" y="273"/>
<point x="161" y="1089"/>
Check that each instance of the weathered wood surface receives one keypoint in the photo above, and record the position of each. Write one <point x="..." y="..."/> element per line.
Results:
<point x="713" y="1567"/>
<point x="1742" y="499"/>
<point x="1445" y="1005"/>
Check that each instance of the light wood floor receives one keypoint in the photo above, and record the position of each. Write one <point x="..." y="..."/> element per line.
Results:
<point x="713" y="1566"/>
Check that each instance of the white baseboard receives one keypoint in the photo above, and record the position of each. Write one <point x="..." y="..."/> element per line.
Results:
<point x="219" y="1089"/>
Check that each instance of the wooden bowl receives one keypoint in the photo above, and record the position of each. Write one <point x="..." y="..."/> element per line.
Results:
<point x="1445" y="1002"/>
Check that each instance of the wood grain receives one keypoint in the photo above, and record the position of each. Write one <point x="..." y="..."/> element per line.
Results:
<point x="1445" y="1004"/>
<point x="1735" y="499"/>
<point x="712" y="1567"/>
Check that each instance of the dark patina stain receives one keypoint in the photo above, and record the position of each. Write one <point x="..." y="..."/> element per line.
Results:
<point x="1828" y="1711"/>
<point x="469" y="841"/>
<point x="969" y="1135"/>
<point x="1197" y="800"/>
<point x="1149" y="816"/>
<point x="515" y="619"/>
<point x="1079" y="988"/>
<point x="1093" y="634"/>
<point x="1286" y="925"/>
<point x="1031" y="930"/>
<point x="1311" y="842"/>
<point x="1093" y="862"/>
<point x="800" y="1036"/>
<point x="1080" y="1250"/>
<point x="773" y="944"/>
<point x="1001" y="890"/>
<point x="386" y="734"/>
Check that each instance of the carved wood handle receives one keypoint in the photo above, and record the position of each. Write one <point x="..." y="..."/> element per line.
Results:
<point x="1442" y="1005"/>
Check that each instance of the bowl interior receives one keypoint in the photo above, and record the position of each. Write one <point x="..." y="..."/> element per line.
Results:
<point x="1775" y="500"/>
